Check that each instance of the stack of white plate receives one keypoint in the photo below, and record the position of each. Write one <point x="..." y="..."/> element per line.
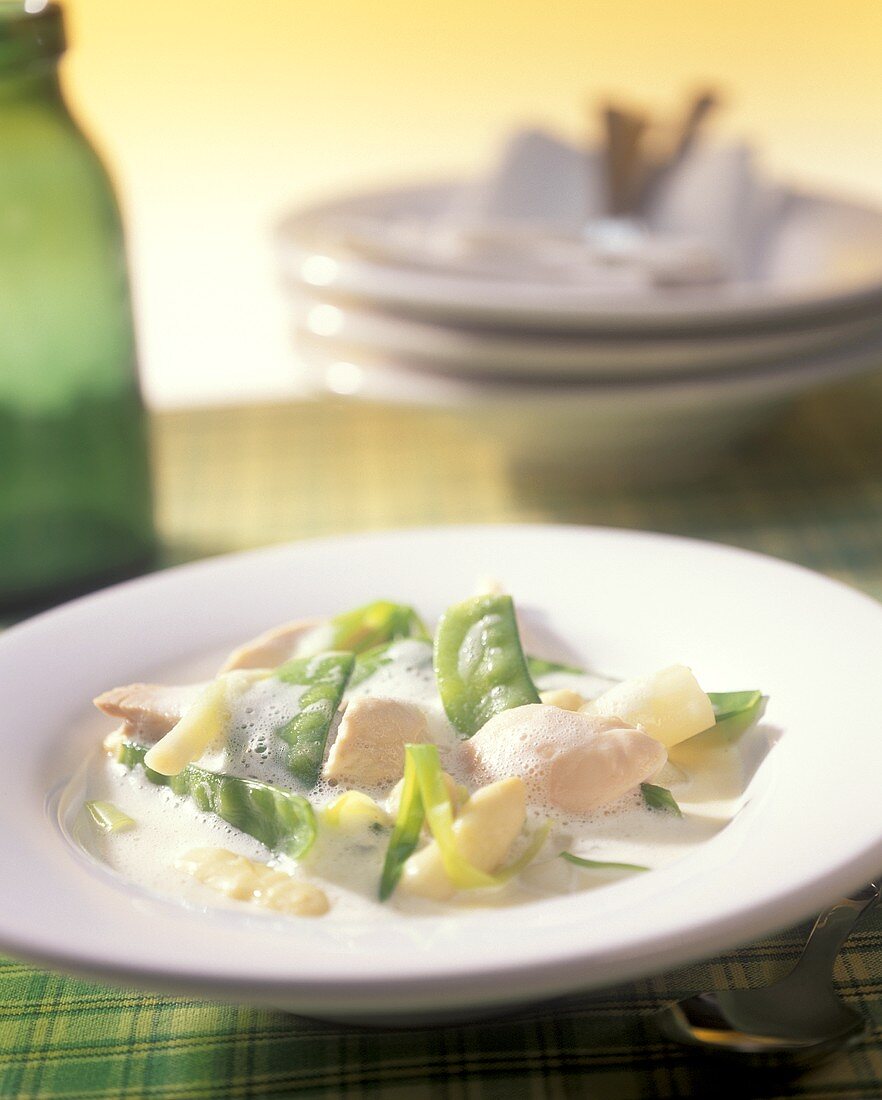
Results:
<point x="613" y="382"/>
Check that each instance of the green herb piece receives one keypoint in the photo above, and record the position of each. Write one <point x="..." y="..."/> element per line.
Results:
<point x="601" y="864"/>
<point x="381" y="621"/>
<point x="538" y="666"/>
<point x="479" y="664"/>
<point x="280" y="819"/>
<point x="406" y="830"/>
<point x="323" y="678"/>
<point x="659" y="798"/>
<point x="729" y="704"/>
<point x="108" y="817"/>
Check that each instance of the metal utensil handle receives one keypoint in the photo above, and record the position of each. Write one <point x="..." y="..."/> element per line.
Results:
<point x="833" y="927"/>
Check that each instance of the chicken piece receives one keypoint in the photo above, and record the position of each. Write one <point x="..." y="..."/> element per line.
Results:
<point x="487" y="826"/>
<point x="369" y="749"/>
<point x="114" y="740"/>
<point x="570" y="761"/>
<point x="271" y="649"/>
<point x="149" y="710"/>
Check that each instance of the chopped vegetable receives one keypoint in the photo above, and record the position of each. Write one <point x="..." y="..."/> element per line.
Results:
<point x="728" y="704"/>
<point x="280" y="819"/>
<point x="659" y="798"/>
<point x="108" y="817"/>
<point x="538" y="666"/>
<point x="479" y="664"/>
<point x="426" y="797"/>
<point x="439" y="817"/>
<point x="354" y="811"/>
<point x="366" y="627"/>
<point x="369" y="662"/>
<point x="372" y="660"/>
<point x="669" y="705"/>
<point x="323" y="679"/>
<point x="601" y="864"/>
<point x="243" y="879"/>
<point x="200" y="724"/>
<point x="406" y="833"/>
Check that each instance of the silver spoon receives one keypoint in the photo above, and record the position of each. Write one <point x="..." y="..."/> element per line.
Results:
<point x="799" y="1016"/>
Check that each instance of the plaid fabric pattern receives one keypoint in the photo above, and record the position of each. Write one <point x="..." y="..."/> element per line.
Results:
<point x="808" y="489"/>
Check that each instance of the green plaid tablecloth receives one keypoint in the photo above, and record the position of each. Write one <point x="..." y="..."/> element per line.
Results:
<point x="808" y="489"/>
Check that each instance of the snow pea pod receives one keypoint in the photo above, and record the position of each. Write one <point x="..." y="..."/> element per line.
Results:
<point x="369" y="662"/>
<point x="323" y="679"/>
<point x="280" y="819"/>
<point x="479" y="664"/>
<point x="365" y="627"/>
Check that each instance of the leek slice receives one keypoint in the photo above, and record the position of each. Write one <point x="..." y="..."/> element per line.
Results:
<point x="439" y="818"/>
<point x="538" y="666"/>
<point x="108" y="817"/>
<point x="601" y="864"/>
<point x="424" y="797"/>
<point x="729" y="704"/>
<point x="659" y="798"/>
<point x="406" y="831"/>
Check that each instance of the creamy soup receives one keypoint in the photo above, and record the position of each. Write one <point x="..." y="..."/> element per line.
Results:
<point x="549" y="761"/>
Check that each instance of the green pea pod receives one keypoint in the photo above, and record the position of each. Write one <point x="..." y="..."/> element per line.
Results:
<point x="280" y="819"/>
<point x="372" y="660"/>
<point x="372" y="625"/>
<point x="479" y="664"/>
<point x="323" y="679"/>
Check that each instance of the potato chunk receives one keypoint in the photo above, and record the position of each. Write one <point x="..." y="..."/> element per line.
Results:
<point x="243" y="879"/>
<point x="668" y="705"/>
<point x="369" y="749"/>
<point x="487" y="826"/>
<point x="569" y="761"/>
<point x="565" y="698"/>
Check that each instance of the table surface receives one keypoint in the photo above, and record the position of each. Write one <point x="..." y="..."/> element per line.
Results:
<point x="808" y="489"/>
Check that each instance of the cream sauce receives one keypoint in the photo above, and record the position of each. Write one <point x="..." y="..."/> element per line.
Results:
<point x="705" y="775"/>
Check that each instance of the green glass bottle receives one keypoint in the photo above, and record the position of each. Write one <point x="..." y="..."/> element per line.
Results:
<point x="75" y="500"/>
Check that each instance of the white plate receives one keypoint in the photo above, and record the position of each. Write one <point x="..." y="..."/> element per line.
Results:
<point x="503" y="354"/>
<point x="823" y="262"/>
<point x="635" y="431"/>
<point x="628" y="602"/>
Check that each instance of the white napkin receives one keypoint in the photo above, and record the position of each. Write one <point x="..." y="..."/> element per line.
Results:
<point x="539" y="213"/>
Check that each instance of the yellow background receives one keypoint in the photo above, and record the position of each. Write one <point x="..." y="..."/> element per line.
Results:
<point x="218" y="116"/>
